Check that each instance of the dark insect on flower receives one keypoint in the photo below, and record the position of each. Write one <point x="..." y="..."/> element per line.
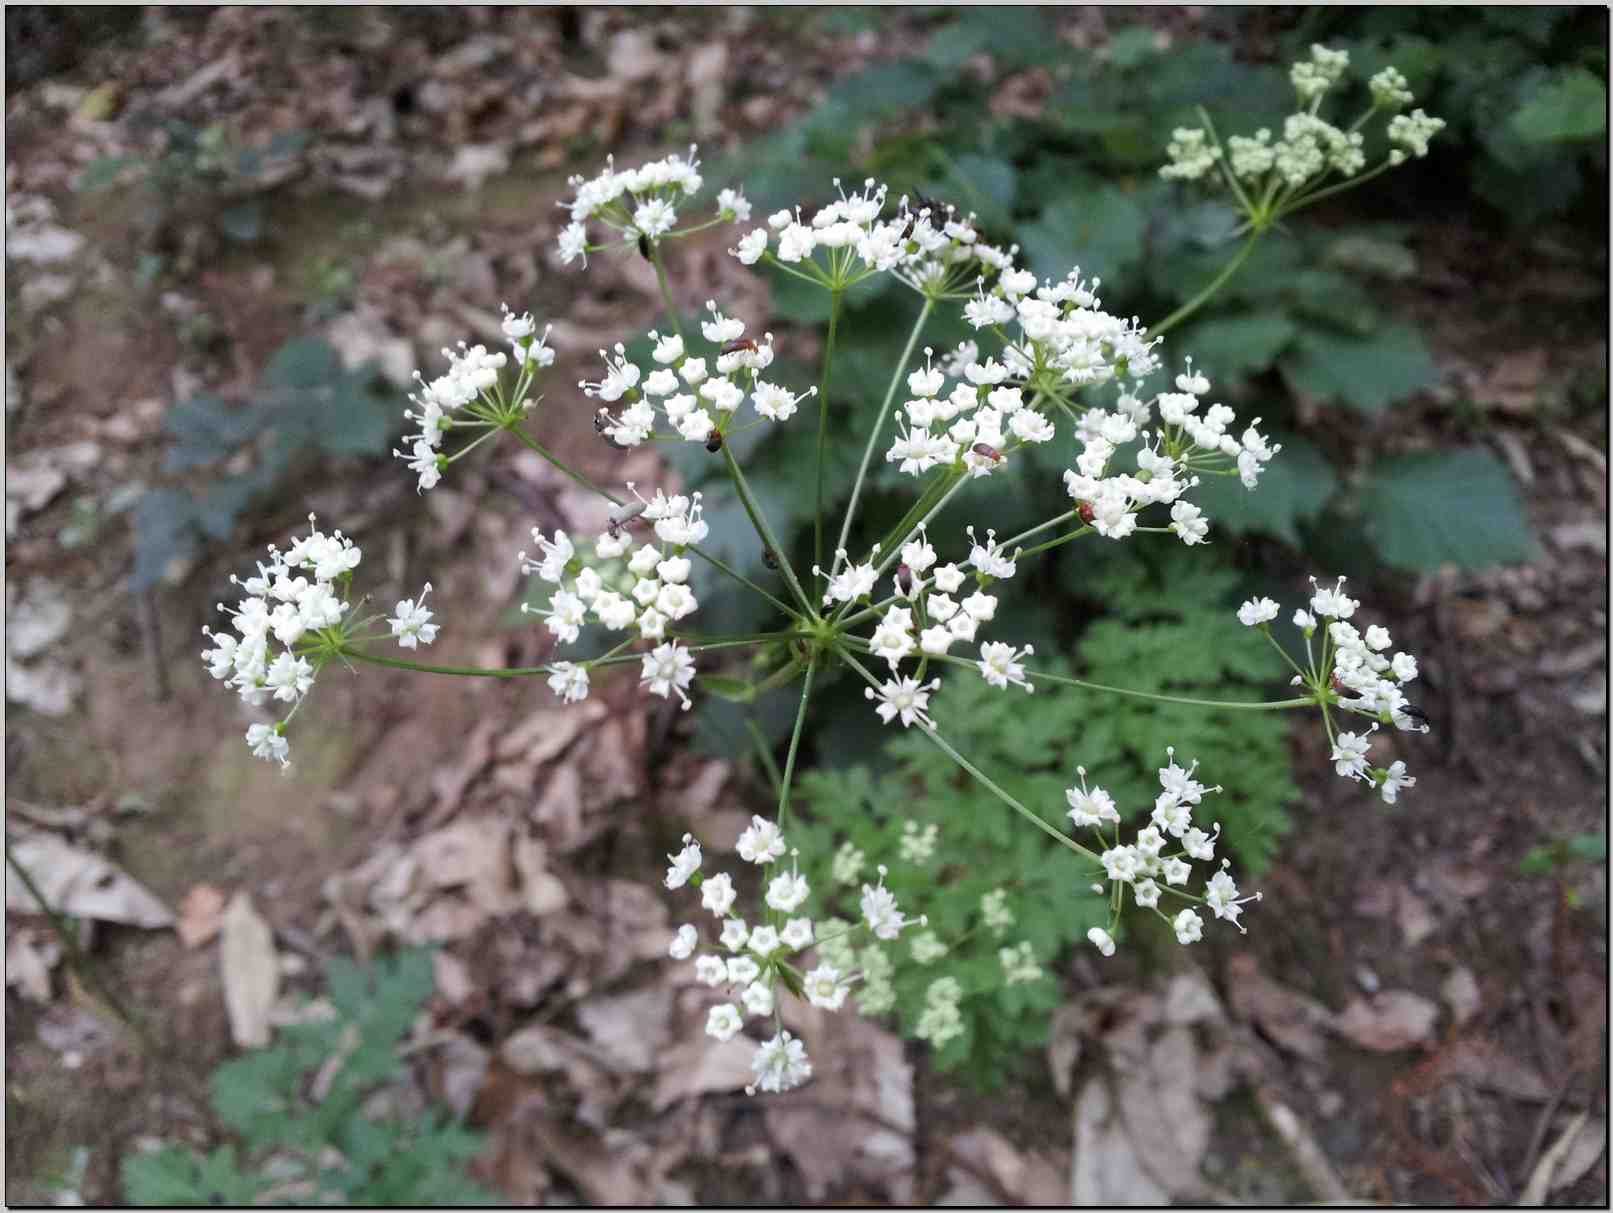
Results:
<point x="1417" y="714"/>
<point x="602" y="421"/>
<point x="644" y="247"/>
<point x="770" y="558"/>
<point x="738" y="344"/>
<point x="904" y="578"/>
<point x="714" y="440"/>
<point x="622" y="515"/>
<point x="987" y="452"/>
<point x="1084" y="510"/>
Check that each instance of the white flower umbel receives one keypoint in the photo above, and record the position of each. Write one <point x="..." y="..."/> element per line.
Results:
<point x="289" y="622"/>
<point x="1355" y="672"/>
<point x="1150" y="859"/>
<point x="637" y="204"/>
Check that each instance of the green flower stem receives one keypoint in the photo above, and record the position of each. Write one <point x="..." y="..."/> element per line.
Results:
<point x="879" y="423"/>
<point x="746" y="581"/>
<point x="666" y="289"/>
<point x="765" y="756"/>
<point x="1226" y="169"/>
<point x="835" y="298"/>
<point x="1233" y="704"/>
<point x="937" y="486"/>
<point x="985" y="780"/>
<point x="795" y="745"/>
<point x="1265" y="628"/>
<point x="758" y="520"/>
<point x="1304" y="200"/>
<point x="533" y="444"/>
<point x="697" y="228"/>
<point x="794" y="273"/>
<point x="1053" y="543"/>
<point x="1041" y="526"/>
<point x="1220" y="280"/>
<point x="473" y="671"/>
<point x="895" y="548"/>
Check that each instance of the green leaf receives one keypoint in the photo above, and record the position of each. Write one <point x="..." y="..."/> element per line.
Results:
<point x="165" y="528"/>
<point x="1293" y="489"/>
<point x="242" y="222"/>
<point x="735" y="690"/>
<point x="1368" y="374"/>
<point x="1572" y="105"/>
<point x="206" y="429"/>
<point x="984" y="185"/>
<point x="1131" y="46"/>
<point x="1235" y="347"/>
<point x="1100" y="231"/>
<point x="303" y="362"/>
<point x="1456" y="506"/>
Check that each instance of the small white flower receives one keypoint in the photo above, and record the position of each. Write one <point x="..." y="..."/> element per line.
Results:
<point x="1394" y="779"/>
<point x="1000" y="665"/>
<point x="683" y="943"/>
<point x="1350" y="754"/>
<point x="823" y="988"/>
<point x="1257" y="611"/>
<point x="717" y="894"/>
<point x="724" y="1022"/>
<point x="742" y="970"/>
<point x="710" y="970"/>
<point x="758" y="999"/>
<point x="780" y="1064"/>
<point x="411" y="624"/>
<point x="1146" y="893"/>
<point x="1189" y="927"/>
<point x="787" y="892"/>
<point x="1102" y="940"/>
<point x="684" y="864"/>
<point x="761" y="843"/>
<point x="734" y="934"/>
<point x="797" y="934"/>
<point x="764" y="941"/>
<point x="267" y="743"/>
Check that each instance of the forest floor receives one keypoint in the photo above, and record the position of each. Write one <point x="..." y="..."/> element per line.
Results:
<point x="1412" y="1019"/>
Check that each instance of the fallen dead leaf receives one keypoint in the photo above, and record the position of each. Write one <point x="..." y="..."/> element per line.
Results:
<point x="1292" y="1020"/>
<point x="1569" y="1158"/>
<point x="1388" y="1021"/>
<point x="30" y="956"/>
<point x="1460" y="991"/>
<point x="38" y="619"/>
<point x="452" y="977"/>
<point x="1024" y="1177"/>
<point x="702" y="1065"/>
<point x="1106" y="1168"/>
<point x="80" y="884"/>
<point x="200" y="915"/>
<point x="630" y="1028"/>
<point x="251" y="972"/>
<point x="1167" y="1123"/>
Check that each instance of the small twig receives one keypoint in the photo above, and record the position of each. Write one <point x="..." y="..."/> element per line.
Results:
<point x="1308" y="1156"/>
<point x="151" y="638"/>
<point x="1538" y="1138"/>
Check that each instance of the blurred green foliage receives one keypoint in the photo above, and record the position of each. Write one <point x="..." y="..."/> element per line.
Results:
<point x="334" y="1149"/>
<point x="306" y="404"/>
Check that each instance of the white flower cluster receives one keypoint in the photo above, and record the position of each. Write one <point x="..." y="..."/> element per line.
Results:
<point x="1184" y="444"/>
<point x="926" y="617"/>
<point x="648" y="591"/>
<point x="1314" y="76"/>
<point x="982" y="421"/>
<point x="639" y="203"/>
<point x="300" y="591"/>
<point x="941" y="1021"/>
<point x="698" y="398"/>
<point x="1191" y="154"/>
<point x="1309" y="147"/>
<point x="1355" y="667"/>
<point x="1413" y="131"/>
<point x="754" y="961"/>
<point x="923" y="243"/>
<point x="472" y="378"/>
<point x="1144" y="865"/>
<point x="1060" y="326"/>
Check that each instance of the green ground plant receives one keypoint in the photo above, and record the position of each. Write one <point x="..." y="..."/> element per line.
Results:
<point x="299" y="1140"/>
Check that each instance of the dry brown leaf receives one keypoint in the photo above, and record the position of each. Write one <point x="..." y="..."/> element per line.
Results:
<point x="1106" y="1168"/>
<point x="1569" y="1158"/>
<point x="858" y="1119"/>
<point x="1167" y="1123"/>
<point x="1293" y="1021"/>
<point x="472" y="855"/>
<point x="1025" y="1178"/>
<point x="702" y="1065"/>
<point x="1460" y="991"/>
<point x="452" y="977"/>
<point x="250" y="969"/>
<point x="200" y="915"/>
<point x="1388" y="1021"/>
<point x="629" y="1028"/>
<point x="1481" y="1062"/>
<point x="30" y="956"/>
<point x="541" y="890"/>
<point x="81" y="884"/>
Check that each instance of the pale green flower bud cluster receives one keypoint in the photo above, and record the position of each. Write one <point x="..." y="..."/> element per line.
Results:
<point x="1413" y="131"/>
<point x="1191" y="153"/>
<point x="1313" y="77"/>
<point x="941" y="1020"/>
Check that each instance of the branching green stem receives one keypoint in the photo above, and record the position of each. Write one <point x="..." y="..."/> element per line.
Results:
<point x="795" y="745"/>
<point x="1220" y="280"/>
<point x="753" y="511"/>
<point x="823" y="426"/>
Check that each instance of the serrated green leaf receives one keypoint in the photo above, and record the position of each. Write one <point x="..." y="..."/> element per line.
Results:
<point x="1234" y="347"/>
<point x="1294" y="488"/>
<point x="1571" y="105"/>
<point x="1368" y="374"/>
<point x="304" y="362"/>
<point x="1456" y="506"/>
<point x="1100" y="231"/>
